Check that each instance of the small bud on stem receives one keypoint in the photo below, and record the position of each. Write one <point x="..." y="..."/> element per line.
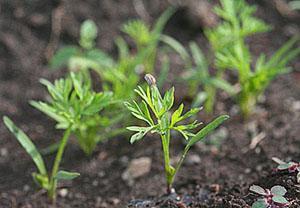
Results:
<point x="150" y="79"/>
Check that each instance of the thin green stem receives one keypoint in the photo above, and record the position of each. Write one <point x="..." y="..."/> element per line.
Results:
<point x="53" y="181"/>
<point x="165" y="143"/>
<point x="183" y="155"/>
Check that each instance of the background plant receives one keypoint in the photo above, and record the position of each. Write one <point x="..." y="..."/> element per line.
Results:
<point x="271" y="198"/>
<point x="198" y="75"/>
<point x="290" y="167"/>
<point x="122" y="75"/>
<point x="75" y="105"/>
<point x="154" y="109"/>
<point x="232" y="52"/>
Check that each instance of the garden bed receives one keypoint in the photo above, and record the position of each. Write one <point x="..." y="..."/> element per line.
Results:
<point x="210" y="177"/>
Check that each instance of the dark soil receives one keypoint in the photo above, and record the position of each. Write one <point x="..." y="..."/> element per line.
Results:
<point x="28" y="37"/>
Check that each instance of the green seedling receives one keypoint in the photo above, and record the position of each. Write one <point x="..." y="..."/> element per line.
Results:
<point x="147" y="39"/>
<point x="271" y="198"/>
<point x="121" y="75"/>
<point x="45" y="180"/>
<point x="74" y="104"/>
<point x="155" y="110"/>
<point x="197" y="74"/>
<point x="290" y="167"/>
<point x="231" y="51"/>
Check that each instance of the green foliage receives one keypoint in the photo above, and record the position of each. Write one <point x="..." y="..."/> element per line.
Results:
<point x="198" y="74"/>
<point x="231" y="51"/>
<point x="155" y="110"/>
<point x="271" y="198"/>
<point x="42" y="178"/>
<point x="290" y="167"/>
<point x="147" y="40"/>
<point x="88" y="34"/>
<point x="74" y="104"/>
<point x="238" y="23"/>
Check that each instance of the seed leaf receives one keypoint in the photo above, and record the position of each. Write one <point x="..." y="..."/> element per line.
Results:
<point x="283" y="166"/>
<point x="278" y="190"/>
<point x="27" y="144"/>
<point x="260" y="203"/>
<point x="65" y="175"/>
<point x="257" y="189"/>
<point x="279" y="199"/>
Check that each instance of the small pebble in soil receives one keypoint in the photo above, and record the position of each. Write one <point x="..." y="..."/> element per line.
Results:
<point x="114" y="201"/>
<point x="101" y="174"/>
<point x="124" y="160"/>
<point x="3" y="152"/>
<point x="234" y="110"/>
<point x="136" y="168"/>
<point x="193" y="159"/>
<point x="95" y="183"/>
<point x="247" y="170"/>
<point x="63" y="192"/>
<point x="26" y="188"/>
<point x="296" y="105"/>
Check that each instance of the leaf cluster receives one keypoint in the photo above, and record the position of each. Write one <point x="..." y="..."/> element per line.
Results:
<point x="155" y="110"/>
<point x="290" y="167"/>
<point x="272" y="197"/>
<point x="232" y="52"/>
<point x="74" y="104"/>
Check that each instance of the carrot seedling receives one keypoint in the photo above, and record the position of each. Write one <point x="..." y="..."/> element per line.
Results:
<point x="155" y="110"/>
<point x="45" y="180"/>
<point x="74" y="106"/>
<point x="232" y="52"/>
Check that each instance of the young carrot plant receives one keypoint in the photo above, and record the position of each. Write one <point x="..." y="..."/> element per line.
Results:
<point x="155" y="111"/>
<point x="122" y="75"/>
<point x="270" y="198"/>
<point x="45" y="180"/>
<point x="75" y="109"/>
<point x="198" y="75"/>
<point x="232" y="52"/>
<point x="146" y="39"/>
<point x="74" y="104"/>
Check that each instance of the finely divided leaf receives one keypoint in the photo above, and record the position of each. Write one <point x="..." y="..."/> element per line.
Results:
<point x="26" y="144"/>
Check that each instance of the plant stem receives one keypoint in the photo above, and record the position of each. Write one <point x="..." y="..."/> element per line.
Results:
<point x="185" y="151"/>
<point x="165" y="143"/>
<point x="53" y="181"/>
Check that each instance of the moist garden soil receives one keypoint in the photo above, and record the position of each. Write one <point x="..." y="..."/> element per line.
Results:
<point x="32" y="30"/>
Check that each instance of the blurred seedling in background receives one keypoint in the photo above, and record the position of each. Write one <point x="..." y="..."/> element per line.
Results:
<point x="198" y="76"/>
<point x="155" y="110"/>
<point x="290" y="167"/>
<point x="122" y="75"/>
<point x="273" y="198"/>
<point x="232" y="52"/>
